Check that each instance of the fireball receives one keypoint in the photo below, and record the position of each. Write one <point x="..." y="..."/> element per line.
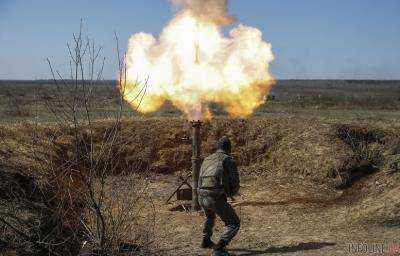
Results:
<point x="192" y="63"/>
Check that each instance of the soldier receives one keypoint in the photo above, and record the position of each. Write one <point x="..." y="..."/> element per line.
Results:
<point x="219" y="179"/>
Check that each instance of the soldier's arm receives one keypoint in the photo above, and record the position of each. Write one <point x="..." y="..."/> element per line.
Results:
<point x="232" y="176"/>
<point x="225" y="182"/>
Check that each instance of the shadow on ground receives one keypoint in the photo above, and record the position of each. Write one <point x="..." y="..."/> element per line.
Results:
<point x="297" y="200"/>
<point x="284" y="249"/>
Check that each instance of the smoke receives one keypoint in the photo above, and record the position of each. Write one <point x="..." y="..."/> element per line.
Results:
<point x="214" y="11"/>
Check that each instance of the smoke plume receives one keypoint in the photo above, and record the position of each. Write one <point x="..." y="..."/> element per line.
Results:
<point x="214" y="11"/>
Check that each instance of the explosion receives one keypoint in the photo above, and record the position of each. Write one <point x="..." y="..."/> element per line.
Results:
<point x="192" y="64"/>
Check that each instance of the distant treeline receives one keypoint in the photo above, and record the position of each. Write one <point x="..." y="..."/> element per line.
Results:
<point x="285" y="81"/>
<point x="47" y="82"/>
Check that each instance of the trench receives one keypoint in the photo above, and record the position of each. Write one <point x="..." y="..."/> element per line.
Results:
<point x="365" y="161"/>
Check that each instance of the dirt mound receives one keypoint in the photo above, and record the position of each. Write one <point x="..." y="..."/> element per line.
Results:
<point x="339" y="155"/>
<point x="261" y="146"/>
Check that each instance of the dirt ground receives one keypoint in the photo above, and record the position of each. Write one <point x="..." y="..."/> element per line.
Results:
<point x="287" y="206"/>
<point x="280" y="216"/>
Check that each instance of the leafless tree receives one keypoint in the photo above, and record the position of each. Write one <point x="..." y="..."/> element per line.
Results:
<point x="79" y="195"/>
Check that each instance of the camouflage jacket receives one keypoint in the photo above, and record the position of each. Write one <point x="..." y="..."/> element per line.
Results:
<point x="219" y="175"/>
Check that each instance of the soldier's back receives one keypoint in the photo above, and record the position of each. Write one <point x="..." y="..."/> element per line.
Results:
<point x="212" y="163"/>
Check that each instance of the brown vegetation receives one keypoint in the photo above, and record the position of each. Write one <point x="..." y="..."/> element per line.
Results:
<point x="60" y="189"/>
<point x="359" y="159"/>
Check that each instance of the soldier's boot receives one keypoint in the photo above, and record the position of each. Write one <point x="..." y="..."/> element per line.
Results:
<point x="207" y="243"/>
<point x="219" y="249"/>
<point x="221" y="252"/>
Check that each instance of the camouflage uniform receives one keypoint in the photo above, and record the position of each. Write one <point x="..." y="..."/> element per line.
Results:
<point x="218" y="179"/>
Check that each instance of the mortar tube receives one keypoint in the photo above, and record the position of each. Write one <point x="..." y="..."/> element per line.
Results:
<point x="196" y="162"/>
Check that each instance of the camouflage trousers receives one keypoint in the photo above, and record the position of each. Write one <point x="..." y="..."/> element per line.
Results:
<point x="219" y="206"/>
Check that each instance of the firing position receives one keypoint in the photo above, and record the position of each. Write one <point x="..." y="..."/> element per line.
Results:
<point x="219" y="179"/>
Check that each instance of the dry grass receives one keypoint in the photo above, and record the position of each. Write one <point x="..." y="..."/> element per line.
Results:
<point x="281" y="146"/>
<point x="329" y="170"/>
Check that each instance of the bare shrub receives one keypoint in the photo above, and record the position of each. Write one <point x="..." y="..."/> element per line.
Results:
<point x="15" y="105"/>
<point x="66" y="188"/>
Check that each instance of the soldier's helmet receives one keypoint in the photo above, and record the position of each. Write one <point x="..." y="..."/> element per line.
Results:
<point x="224" y="143"/>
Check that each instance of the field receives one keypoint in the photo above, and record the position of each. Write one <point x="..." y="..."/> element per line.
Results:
<point x="323" y="99"/>
<point x="319" y="164"/>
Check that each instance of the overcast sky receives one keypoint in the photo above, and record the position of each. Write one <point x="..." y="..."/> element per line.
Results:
<point x="310" y="38"/>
